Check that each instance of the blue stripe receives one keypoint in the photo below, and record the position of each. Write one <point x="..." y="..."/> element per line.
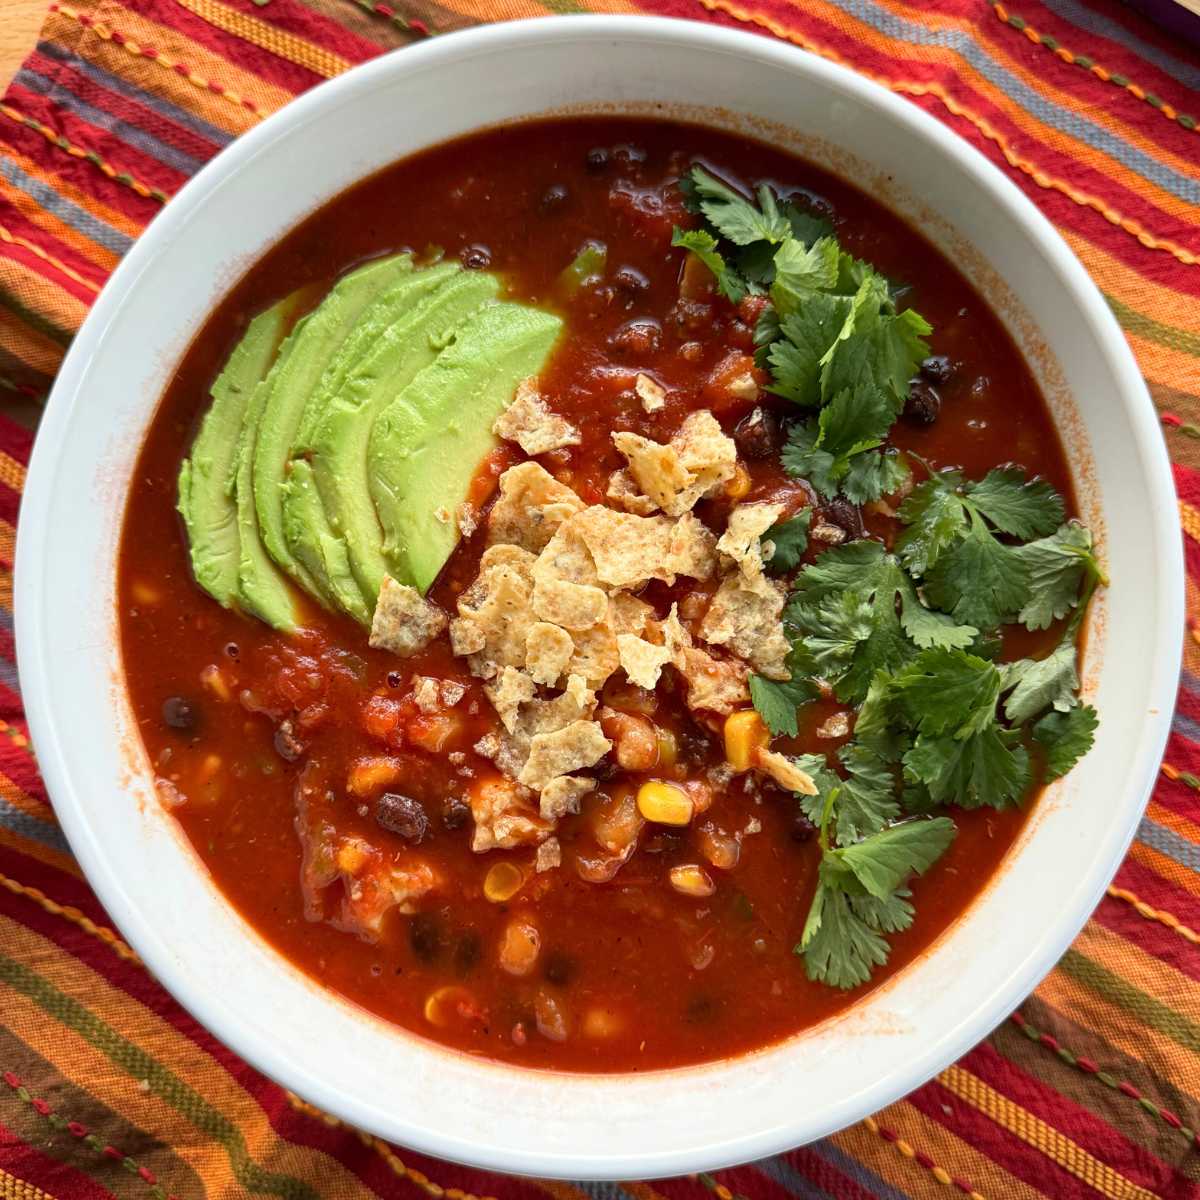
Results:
<point x="130" y="134"/>
<point x="23" y="825"/>
<point x="1188" y="680"/>
<point x="70" y="214"/>
<point x="114" y="83"/>
<point x="1102" y="26"/>
<point x="1073" y="124"/>
<point x="863" y="1176"/>
<point x="8" y="675"/>
<point x="1186" y="727"/>
<point x="788" y="1177"/>
<point x="1167" y="841"/>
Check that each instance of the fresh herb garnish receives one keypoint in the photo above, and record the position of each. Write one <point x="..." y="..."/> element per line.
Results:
<point x="790" y="539"/>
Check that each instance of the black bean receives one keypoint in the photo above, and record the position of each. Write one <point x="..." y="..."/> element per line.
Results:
<point x="558" y="967"/>
<point x="394" y="679"/>
<point x="937" y="368"/>
<point x="630" y="280"/>
<point x="402" y="815"/>
<point x="802" y="828"/>
<point x="923" y="404"/>
<point x="845" y="515"/>
<point x="639" y="337"/>
<point x="477" y="257"/>
<point x="758" y="434"/>
<point x="455" y="812"/>
<point x="468" y="952"/>
<point x="695" y="746"/>
<point x="554" y="199"/>
<point x="425" y="937"/>
<point x="180" y="713"/>
<point x="597" y="160"/>
<point x="629" y="155"/>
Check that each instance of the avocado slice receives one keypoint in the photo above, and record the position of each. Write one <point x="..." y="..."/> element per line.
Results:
<point x="339" y="441"/>
<point x="302" y="360"/>
<point x="208" y="498"/>
<point x="428" y="443"/>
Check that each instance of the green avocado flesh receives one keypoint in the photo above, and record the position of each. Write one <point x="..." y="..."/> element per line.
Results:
<point x="427" y="445"/>
<point x="327" y="455"/>
<point x="218" y="539"/>
<point x="296" y="374"/>
<point x="339" y="442"/>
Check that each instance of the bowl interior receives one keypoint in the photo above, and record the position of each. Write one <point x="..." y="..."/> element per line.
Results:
<point x="381" y="1078"/>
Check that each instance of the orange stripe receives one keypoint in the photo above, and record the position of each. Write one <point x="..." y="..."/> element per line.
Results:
<point x="100" y="256"/>
<point x="74" y="916"/>
<point x="25" y="803"/>
<point x="12" y="1188"/>
<point x="13" y="474"/>
<point x="1142" y="970"/>
<point x="56" y="263"/>
<point x="1167" y="868"/>
<point x="1040" y="177"/>
<point x="1176" y="822"/>
<point x="1156" y="914"/>
<point x="43" y="854"/>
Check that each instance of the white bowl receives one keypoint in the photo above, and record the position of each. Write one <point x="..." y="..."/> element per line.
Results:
<point x="157" y="891"/>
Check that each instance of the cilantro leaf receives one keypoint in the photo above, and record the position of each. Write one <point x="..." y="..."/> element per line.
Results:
<point x="732" y="214"/>
<point x="874" y="474"/>
<point x="936" y="518"/>
<point x="1014" y="506"/>
<point x="990" y="768"/>
<point x="841" y="947"/>
<point x="929" y="628"/>
<point x="854" y="421"/>
<point x="801" y="270"/>
<point x="790" y="539"/>
<point x="948" y="692"/>
<point x="805" y="337"/>
<point x="1058" y="565"/>
<point x="777" y="702"/>
<point x="1066" y="737"/>
<point x="866" y="799"/>
<point x="704" y="246"/>
<point x="884" y="352"/>
<point x="891" y="914"/>
<point x="804" y="458"/>
<point x="885" y="860"/>
<point x="978" y="581"/>
<point x="1049" y="682"/>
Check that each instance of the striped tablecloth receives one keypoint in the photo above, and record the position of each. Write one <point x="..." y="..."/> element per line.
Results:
<point x="1092" y="1088"/>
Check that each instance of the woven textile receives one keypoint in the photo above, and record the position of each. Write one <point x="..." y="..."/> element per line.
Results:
<point x="1091" y="1089"/>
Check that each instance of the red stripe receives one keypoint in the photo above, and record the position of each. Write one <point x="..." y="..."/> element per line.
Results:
<point x="15" y="440"/>
<point x="1173" y="794"/>
<point x="19" y="225"/>
<point x="1100" y="1139"/>
<point x="296" y="18"/>
<point x="36" y="264"/>
<point x="123" y="108"/>
<point x="43" y="1170"/>
<point x="1119" y="916"/>
<point x="10" y="503"/>
<point x="1007" y="1150"/>
<point x="1136" y="25"/>
<point x="826" y="1176"/>
<point x="20" y="768"/>
<point x="1153" y="889"/>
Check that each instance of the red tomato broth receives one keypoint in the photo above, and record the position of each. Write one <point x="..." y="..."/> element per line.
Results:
<point x="630" y="947"/>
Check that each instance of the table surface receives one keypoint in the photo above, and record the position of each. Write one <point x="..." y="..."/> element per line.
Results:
<point x="18" y="31"/>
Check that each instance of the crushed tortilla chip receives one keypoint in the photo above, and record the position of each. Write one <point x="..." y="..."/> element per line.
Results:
<point x="596" y="655"/>
<point x="519" y="559"/>
<point x="628" y="550"/>
<point x="496" y="604"/>
<point x="562" y="794"/>
<point x="785" y="772"/>
<point x="467" y="517"/>
<point x="427" y="693"/>
<point x="566" y="556"/>
<point x="532" y="504"/>
<point x="624" y="493"/>
<point x="705" y="450"/>
<point x="548" y="856"/>
<point x="628" y="614"/>
<point x="574" y="606"/>
<point x="674" y="634"/>
<point x="718" y="685"/>
<point x="507" y="692"/>
<point x="452" y="692"/>
<point x="745" y="616"/>
<point x="578" y="745"/>
<point x="528" y="422"/>
<point x="692" y="548"/>
<point x="504" y="817"/>
<point x="642" y="660"/>
<point x="548" y="650"/>
<point x="466" y="637"/>
<point x="405" y="622"/>
<point x="741" y="540"/>
<point x="650" y="392"/>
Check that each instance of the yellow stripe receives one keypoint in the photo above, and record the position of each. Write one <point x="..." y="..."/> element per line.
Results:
<point x="56" y="263"/>
<point x="44" y="854"/>
<point x="1143" y="909"/>
<point x="1042" y="1137"/>
<point x="1189" y="518"/>
<point x="12" y="1188"/>
<point x="12" y="473"/>
<point x="283" y="45"/>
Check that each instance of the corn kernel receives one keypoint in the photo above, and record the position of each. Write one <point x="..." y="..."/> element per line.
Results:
<point x="668" y="748"/>
<point x="216" y="683"/>
<point x="664" y="803"/>
<point x="739" y="485"/>
<point x="448" y="1003"/>
<point x="351" y="856"/>
<point x="372" y="774"/>
<point x="520" y="945"/>
<point x="745" y="734"/>
<point x="502" y="882"/>
<point x="602" y="1023"/>
<point x="692" y="880"/>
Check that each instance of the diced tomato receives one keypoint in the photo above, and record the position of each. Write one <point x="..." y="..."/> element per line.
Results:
<point x="733" y="383"/>
<point x="435" y="732"/>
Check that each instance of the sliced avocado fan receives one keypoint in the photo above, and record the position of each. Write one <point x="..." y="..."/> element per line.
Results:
<point x="302" y="360"/>
<point x="427" y="445"/>
<point x="220" y="541"/>
<point x="339" y="443"/>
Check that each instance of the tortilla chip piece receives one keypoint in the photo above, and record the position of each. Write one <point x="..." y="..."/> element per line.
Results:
<point x="548" y="856"/>
<point x="567" y="557"/>
<point x="628" y="614"/>
<point x="405" y="622"/>
<point x="624" y="494"/>
<point x="528" y="422"/>
<point x="548" y="650"/>
<point x="675" y="636"/>
<point x="628" y="550"/>
<point x="718" y="685"/>
<point x="746" y="616"/>
<point x="656" y="469"/>
<point x="741" y="541"/>
<point x="452" y="692"/>
<point x="704" y="450"/>
<point x="508" y="692"/>
<point x="596" y="655"/>
<point x="504" y="817"/>
<point x="496" y="604"/>
<point x="650" y="392"/>
<point x="574" y="606"/>
<point x="427" y="693"/>
<point x="574" y="747"/>
<point x="692" y="548"/>
<point x="532" y="504"/>
<point x="562" y="794"/>
<point x="502" y="554"/>
<point x="785" y="772"/>
<point x="466" y="637"/>
<point x="642" y="660"/>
